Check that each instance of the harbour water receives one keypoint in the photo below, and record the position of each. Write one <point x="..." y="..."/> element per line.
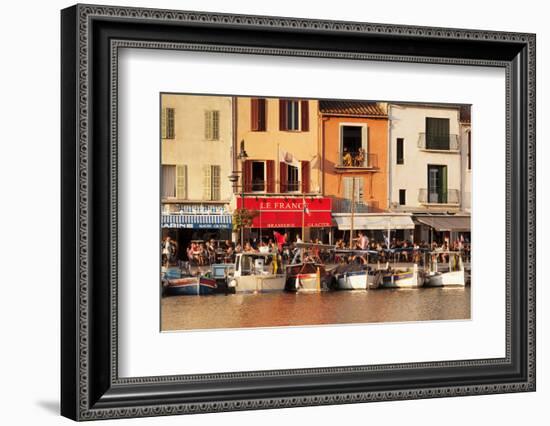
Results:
<point x="305" y="309"/>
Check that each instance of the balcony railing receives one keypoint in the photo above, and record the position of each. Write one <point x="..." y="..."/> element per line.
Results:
<point x="451" y="196"/>
<point x="343" y="205"/>
<point x="261" y="185"/>
<point x="358" y="159"/>
<point x="448" y="143"/>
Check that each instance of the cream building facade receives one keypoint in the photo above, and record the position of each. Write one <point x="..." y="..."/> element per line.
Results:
<point x="196" y="160"/>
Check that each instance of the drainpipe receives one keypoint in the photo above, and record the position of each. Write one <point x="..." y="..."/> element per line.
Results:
<point x="388" y="160"/>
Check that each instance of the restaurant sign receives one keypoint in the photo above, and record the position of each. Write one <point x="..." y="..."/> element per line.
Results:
<point x="289" y="212"/>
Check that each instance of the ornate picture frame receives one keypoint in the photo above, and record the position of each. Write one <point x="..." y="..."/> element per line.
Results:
<point x="91" y="38"/>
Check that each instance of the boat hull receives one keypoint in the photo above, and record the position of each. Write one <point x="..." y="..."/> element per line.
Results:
<point x="404" y="278"/>
<point x="258" y="283"/>
<point x="446" y="279"/>
<point x="355" y="281"/>
<point x="191" y="286"/>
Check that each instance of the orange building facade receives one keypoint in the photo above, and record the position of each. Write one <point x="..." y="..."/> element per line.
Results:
<point x="354" y="145"/>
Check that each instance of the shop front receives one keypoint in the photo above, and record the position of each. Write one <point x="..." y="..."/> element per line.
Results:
<point x="443" y="227"/>
<point x="198" y="223"/>
<point x="306" y="217"/>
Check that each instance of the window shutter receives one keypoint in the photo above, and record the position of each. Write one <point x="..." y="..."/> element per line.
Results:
<point x="270" y="173"/>
<point x="305" y="177"/>
<point x="254" y="115"/>
<point x="207" y="125"/>
<point x="247" y="176"/>
<point x="171" y="123"/>
<point x="215" y="125"/>
<point x="207" y="182"/>
<point x="282" y="176"/>
<point x="283" y="124"/>
<point x="305" y="116"/>
<point x="262" y="112"/>
<point x="163" y="122"/>
<point x="216" y="183"/>
<point x="181" y="181"/>
<point x="168" y="181"/>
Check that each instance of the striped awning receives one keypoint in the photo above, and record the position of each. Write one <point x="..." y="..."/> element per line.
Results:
<point x="368" y="221"/>
<point x="197" y="221"/>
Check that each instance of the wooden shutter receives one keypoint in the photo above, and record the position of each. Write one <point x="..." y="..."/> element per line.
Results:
<point x="247" y="176"/>
<point x="171" y="123"/>
<point x="215" y="178"/>
<point x="254" y="118"/>
<point x="305" y="116"/>
<point x="305" y="177"/>
<point x="283" y="122"/>
<point x="437" y="133"/>
<point x="206" y="182"/>
<point x="270" y="173"/>
<point x="207" y="125"/>
<point x="163" y="123"/>
<point x="282" y="176"/>
<point x="215" y="125"/>
<point x="181" y="181"/>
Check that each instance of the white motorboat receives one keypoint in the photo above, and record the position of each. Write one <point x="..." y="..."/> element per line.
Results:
<point x="451" y="273"/>
<point x="256" y="272"/>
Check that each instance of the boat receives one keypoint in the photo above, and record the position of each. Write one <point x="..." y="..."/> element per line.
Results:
<point x="307" y="276"/>
<point x="445" y="274"/>
<point x="406" y="277"/>
<point x="255" y="272"/>
<point x="189" y="285"/>
<point x="356" y="277"/>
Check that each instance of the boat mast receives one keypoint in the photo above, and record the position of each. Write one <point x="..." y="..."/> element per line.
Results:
<point x="352" y="212"/>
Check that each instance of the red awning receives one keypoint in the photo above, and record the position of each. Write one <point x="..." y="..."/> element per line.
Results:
<point x="289" y="212"/>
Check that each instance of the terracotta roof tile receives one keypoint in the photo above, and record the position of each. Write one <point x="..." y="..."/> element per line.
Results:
<point x="352" y="108"/>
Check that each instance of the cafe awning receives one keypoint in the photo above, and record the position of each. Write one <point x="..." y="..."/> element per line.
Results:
<point x="197" y="221"/>
<point x="446" y="223"/>
<point x="381" y="221"/>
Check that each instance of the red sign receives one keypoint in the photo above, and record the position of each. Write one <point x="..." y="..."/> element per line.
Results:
<point x="289" y="212"/>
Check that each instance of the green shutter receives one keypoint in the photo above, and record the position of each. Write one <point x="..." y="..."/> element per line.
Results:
<point x="181" y="182"/>
<point x="163" y="123"/>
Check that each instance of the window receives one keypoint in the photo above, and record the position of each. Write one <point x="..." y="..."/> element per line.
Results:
<point x="349" y="194"/>
<point x="353" y="147"/>
<point x="470" y="150"/>
<point x="402" y="197"/>
<point x="437" y="133"/>
<point x="212" y="125"/>
<point x="258" y="117"/>
<point x="174" y="181"/>
<point x="181" y="182"/>
<point x="437" y="184"/>
<point x="168" y="183"/>
<point x="168" y="123"/>
<point x="258" y="176"/>
<point x="292" y="178"/>
<point x="211" y="182"/>
<point x="293" y="115"/>
<point x="400" y="152"/>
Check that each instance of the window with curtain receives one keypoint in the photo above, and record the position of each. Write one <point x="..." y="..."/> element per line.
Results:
<point x="168" y="184"/>
<point x="212" y="125"/>
<point x="294" y="115"/>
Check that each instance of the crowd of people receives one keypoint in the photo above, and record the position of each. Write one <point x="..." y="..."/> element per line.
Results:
<point x="202" y="253"/>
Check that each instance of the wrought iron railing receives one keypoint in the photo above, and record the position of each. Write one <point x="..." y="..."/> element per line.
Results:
<point x="438" y="143"/>
<point x="451" y="196"/>
<point x="358" y="159"/>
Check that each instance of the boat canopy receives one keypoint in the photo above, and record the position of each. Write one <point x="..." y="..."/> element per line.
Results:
<point x="381" y="221"/>
<point x="446" y="223"/>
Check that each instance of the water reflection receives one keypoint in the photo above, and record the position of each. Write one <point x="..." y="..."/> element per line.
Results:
<point x="298" y="309"/>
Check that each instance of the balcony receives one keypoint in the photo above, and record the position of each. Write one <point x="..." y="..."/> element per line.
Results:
<point x="343" y="205"/>
<point x="450" y="197"/>
<point x="357" y="161"/>
<point x="271" y="186"/>
<point x="436" y="143"/>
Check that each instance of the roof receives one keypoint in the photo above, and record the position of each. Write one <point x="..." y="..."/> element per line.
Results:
<point x="465" y="114"/>
<point x="361" y="108"/>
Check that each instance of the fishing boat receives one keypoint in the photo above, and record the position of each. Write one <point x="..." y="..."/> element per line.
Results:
<point x="307" y="276"/>
<point x="306" y="272"/>
<point x="189" y="285"/>
<point x="440" y="274"/>
<point x="356" y="275"/>
<point x="407" y="277"/>
<point x="256" y="272"/>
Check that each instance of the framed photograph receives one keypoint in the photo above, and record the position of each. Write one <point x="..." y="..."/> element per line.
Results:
<point x="263" y="212"/>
